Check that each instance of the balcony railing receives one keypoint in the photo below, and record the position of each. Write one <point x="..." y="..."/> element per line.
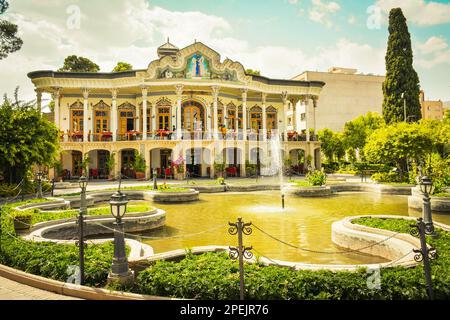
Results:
<point x="230" y="135"/>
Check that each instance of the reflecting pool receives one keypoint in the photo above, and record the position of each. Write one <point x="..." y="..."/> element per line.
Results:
<point x="305" y="223"/>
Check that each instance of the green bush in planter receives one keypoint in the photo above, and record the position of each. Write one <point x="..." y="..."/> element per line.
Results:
<point x="316" y="178"/>
<point x="23" y="219"/>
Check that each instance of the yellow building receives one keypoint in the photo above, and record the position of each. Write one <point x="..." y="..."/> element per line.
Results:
<point x="433" y="110"/>
<point x="187" y="107"/>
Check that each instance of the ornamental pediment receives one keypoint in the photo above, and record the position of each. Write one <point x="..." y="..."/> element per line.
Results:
<point x="126" y="106"/>
<point x="101" y="105"/>
<point x="163" y="101"/>
<point x="197" y="62"/>
<point x="76" y="105"/>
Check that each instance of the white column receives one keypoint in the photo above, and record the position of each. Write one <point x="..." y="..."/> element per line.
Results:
<point x="113" y="115"/>
<point x="244" y="114"/>
<point x="55" y="97"/>
<point x="225" y="115"/>
<point x="144" y="113"/>
<point x="39" y="100"/>
<point x="85" y="114"/>
<point x="154" y="119"/>
<point x="307" y="118"/>
<point x="208" y="121"/>
<point x="313" y="113"/>
<point x="215" y="93"/>
<point x="138" y="118"/>
<point x="264" y="115"/>
<point x="179" y="91"/>
<point x="236" y="121"/>
<point x="284" y="98"/>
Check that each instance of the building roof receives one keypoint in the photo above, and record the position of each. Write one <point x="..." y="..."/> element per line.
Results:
<point x="167" y="49"/>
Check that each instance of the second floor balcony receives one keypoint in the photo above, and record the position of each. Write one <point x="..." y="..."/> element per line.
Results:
<point x="229" y="135"/>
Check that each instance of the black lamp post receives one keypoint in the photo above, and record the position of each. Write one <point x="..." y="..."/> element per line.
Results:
<point x="83" y="209"/>
<point x="39" y="177"/>
<point x="426" y="186"/>
<point x="119" y="270"/>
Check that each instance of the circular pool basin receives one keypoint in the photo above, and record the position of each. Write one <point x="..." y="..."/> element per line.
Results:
<point x="305" y="223"/>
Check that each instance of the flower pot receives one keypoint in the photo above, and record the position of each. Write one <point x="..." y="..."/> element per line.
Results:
<point x="179" y="176"/>
<point x="22" y="223"/>
<point x="140" y="175"/>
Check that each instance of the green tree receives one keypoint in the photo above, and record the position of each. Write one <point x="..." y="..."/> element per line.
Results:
<point x="122" y="66"/>
<point x="439" y="131"/>
<point x="79" y="64"/>
<point x="397" y="143"/>
<point x="26" y="139"/>
<point x="400" y="74"/>
<point x="9" y="41"/>
<point x="332" y="144"/>
<point x="356" y="131"/>
<point x="253" y="72"/>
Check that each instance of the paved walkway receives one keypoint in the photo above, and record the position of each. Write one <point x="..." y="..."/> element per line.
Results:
<point x="11" y="290"/>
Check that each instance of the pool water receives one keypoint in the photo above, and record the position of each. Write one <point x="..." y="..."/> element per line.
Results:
<point x="304" y="223"/>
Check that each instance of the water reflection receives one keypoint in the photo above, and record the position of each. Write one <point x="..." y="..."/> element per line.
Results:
<point x="306" y="223"/>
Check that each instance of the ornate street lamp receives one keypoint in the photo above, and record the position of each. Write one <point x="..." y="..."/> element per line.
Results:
<point x="39" y="177"/>
<point x="427" y="188"/>
<point x="83" y="210"/>
<point x="119" y="269"/>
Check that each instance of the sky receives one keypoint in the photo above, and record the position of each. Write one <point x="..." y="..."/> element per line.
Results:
<point x="281" y="38"/>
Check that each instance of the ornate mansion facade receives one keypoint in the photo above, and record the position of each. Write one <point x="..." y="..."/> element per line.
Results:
<point x="187" y="108"/>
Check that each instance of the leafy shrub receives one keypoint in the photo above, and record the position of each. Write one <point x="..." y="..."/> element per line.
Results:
<point x="316" y="178"/>
<point x="49" y="259"/>
<point x="331" y="167"/>
<point x="388" y="177"/>
<point x="438" y="170"/>
<point x="215" y="276"/>
<point x="28" y="187"/>
<point x="360" y="166"/>
<point x="139" y="162"/>
<point x="250" y="168"/>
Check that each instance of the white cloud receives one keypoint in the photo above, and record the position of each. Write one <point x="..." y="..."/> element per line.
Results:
<point x="293" y="1"/>
<point x="433" y="52"/>
<point x="320" y="12"/>
<point x="139" y="29"/>
<point x="111" y="31"/>
<point x="351" y="20"/>
<point x="419" y="12"/>
<point x="433" y="44"/>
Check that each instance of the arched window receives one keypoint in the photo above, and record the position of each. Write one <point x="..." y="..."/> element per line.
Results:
<point x="256" y="118"/>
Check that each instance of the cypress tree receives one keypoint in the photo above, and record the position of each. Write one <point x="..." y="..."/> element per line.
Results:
<point x="400" y="74"/>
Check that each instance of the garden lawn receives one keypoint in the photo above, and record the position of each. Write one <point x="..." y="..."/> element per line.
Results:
<point x="42" y="215"/>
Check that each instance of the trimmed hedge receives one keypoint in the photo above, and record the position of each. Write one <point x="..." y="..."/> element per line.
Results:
<point x="49" y="259"/>
<point x="215" y="276"/>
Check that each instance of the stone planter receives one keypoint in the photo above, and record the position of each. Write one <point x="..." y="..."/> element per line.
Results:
<point x="174" y="197"/>
<point x="438" y="204"/>
<point x="22" y="223"/>
<point x="140" y="175"/>
<point x="310" y="192"/>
